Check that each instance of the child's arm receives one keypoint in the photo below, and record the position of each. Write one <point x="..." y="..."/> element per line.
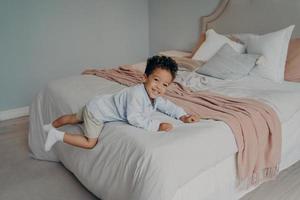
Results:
<point x="136" y="117"/>
<point x="169" y="108"/>
<point x="175" y="111"/>
<point x="138" y="120"/>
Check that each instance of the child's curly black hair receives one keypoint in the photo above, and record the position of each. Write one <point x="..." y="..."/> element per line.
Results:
<point x="161" y="62"/>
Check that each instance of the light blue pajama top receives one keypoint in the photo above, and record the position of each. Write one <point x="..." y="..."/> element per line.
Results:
<point x="132" y="105"/>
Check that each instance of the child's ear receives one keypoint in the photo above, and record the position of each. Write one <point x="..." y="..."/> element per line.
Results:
<point x="145" y="78"/>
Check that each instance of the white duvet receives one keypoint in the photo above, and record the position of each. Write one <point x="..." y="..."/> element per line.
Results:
<point x="131" y="163"/>
<point x="283" y="97"/>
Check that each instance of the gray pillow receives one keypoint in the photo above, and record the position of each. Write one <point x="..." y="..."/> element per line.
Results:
<point x="228" y="64"/>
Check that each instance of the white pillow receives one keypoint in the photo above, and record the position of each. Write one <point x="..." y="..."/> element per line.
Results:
<point x="228" y="64"/>
<point x="273" y="47"/>
<point x="213" y="43"/>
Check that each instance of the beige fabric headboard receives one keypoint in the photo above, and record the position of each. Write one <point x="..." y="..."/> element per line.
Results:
<point x="253" y="16"/>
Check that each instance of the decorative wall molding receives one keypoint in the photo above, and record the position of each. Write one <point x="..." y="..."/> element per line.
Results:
<point x="14" y="113"/>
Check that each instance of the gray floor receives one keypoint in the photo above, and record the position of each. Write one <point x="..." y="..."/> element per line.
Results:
<point x="22" y="177"/>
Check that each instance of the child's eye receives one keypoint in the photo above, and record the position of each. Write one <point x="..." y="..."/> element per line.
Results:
<point x="165" y="85"/>
<point x="156" y="79"/>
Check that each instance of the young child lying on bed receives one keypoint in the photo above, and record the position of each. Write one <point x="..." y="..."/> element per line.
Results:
<point x="133" y="105"/>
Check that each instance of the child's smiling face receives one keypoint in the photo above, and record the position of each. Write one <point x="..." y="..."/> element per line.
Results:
<point x="157" y="82"/>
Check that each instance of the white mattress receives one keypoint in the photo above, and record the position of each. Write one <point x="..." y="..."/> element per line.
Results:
<point x="195" y="161"/>
<point x="220" y="181"/>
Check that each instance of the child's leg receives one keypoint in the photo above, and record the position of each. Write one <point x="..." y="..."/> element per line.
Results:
<point x="80" y="141"/>
<point x="92" y="130"/>
<point x="66" y="119"/>
<point x="61" y="121"/>
<point x="55" y="135"/>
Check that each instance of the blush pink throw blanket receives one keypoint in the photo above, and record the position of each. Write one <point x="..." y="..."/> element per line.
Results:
<point x="255" y="125"/>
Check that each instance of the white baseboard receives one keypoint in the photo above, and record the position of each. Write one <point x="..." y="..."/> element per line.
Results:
<point x="14" y="113"/>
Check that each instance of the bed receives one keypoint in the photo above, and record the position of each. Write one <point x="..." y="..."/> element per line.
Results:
<point x="194" y="161"/>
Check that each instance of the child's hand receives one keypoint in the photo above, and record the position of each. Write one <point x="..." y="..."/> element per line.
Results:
<point x="190" y="118"/>
<point x="165" y="127"/>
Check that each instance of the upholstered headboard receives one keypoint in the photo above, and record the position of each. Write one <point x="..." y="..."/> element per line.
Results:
<point x="253" y="16"/>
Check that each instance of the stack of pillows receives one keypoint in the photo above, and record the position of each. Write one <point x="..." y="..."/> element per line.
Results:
<point x="272" y="56"/>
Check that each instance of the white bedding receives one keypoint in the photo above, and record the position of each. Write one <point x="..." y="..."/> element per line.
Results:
<point x="283" y="97"/>
<point x="130" y="163"/>
<point x="220" y="180"/>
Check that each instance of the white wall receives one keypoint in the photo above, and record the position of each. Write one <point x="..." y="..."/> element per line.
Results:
<point x="42" y="40"/>
<point x="175" y="24"/>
